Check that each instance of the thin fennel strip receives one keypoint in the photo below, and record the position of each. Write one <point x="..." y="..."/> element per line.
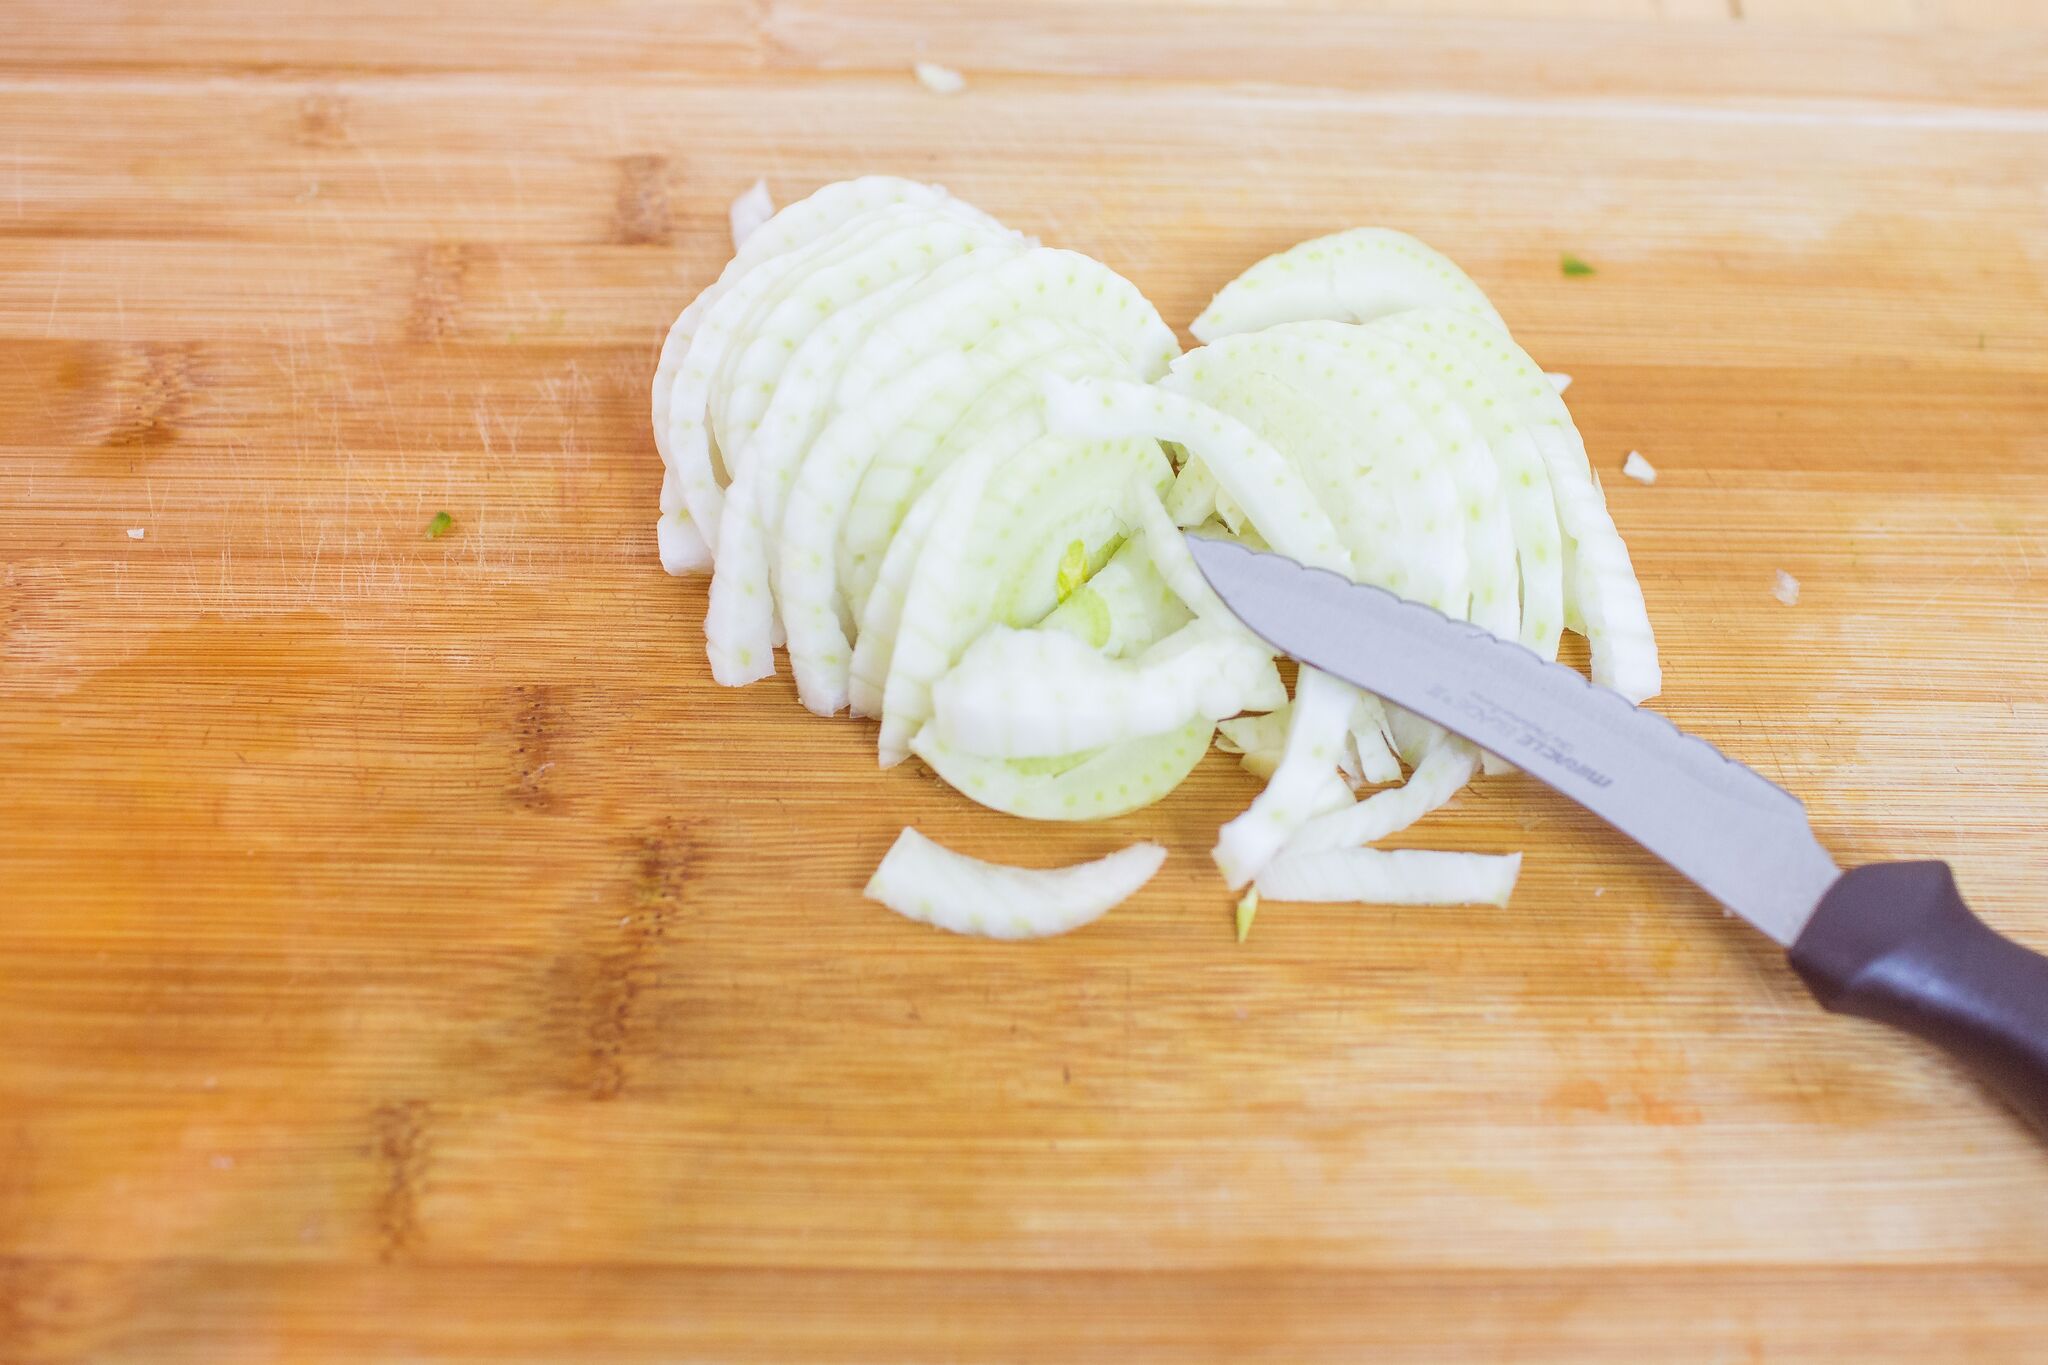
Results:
<point x="1369" y="745"/>
<point x="682" y="549"/>
<point x="1316" y="729"/>
<point x="1442" y="772"/>
<point x="1379" y="876"/>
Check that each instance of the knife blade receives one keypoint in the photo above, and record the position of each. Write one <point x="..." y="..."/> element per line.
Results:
<point x="1890" y="941"/>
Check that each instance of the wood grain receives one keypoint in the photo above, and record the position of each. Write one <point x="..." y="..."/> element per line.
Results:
<point x="408" y="953"/>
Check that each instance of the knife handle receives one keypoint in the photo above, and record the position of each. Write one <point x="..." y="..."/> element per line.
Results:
<point x="1895" y="942"/>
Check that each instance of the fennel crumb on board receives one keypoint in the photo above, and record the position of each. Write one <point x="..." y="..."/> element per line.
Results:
<point x="940" y="80"/>
<point x="749" y="211"/>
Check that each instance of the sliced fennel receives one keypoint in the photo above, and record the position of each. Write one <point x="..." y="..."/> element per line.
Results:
<point x="1492" y="590"/>
<point x="799" y="380"/>
<point x="1091" y="786"/>
<point x="1602" y="585"/>
<point x="1262" y="763"/>
<point x="1411" y="736"/>
<point x="1286" y="512"/>
<point x="1073" y="569"/>
<point x="1300" y="784"/>
<point x="741" y="614"/>
<point x="1521" y="475"/>
<point x="1393" y="424"/>
<point x="1370" y="749"/>
<point x="1124" y="607"/>
<point x="1161" y="542"/>
<point x="1260" y="478"/>
<point x="1249" y="734"/>
<point x="1361" y="441"/>
<point x="1193" y="500"/>
<point x="1356" y="276"/>
<point x="913" y="426"/>
<point x="931" y="452"/>
<point x="1378" y="876"/>
<point x="1041" y="282"/>
<point x="750" y="337"/>
<point x="725" y="323"/>
<point x="1002" y="407"/>
<point x="1005" y="423"/>
<point x="807" y="333"/>
<point x="682" y="549"/>
<point x="1037" y="693"/>
<point x="928" y="882"/>
<point x="1442" y="772"/>
<point x="1259" y="740"/>
<point x="992" y="554"/>
<point x="795" y="226"/>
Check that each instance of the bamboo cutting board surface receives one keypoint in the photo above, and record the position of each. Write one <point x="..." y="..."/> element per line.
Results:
<point x="408" y="953"/>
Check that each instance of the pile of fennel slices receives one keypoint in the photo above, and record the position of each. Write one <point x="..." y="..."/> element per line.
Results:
<point x="949" y="468"/>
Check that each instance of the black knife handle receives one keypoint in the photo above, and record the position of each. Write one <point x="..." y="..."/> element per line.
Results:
<point x="1894" y="942"/>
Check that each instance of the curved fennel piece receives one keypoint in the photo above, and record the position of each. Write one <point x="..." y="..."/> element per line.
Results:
<point x="931" y="883"/>
<point x="1095" y="785"/>
<point x="1443" y="771"/>
<point x="1356" y="275"/>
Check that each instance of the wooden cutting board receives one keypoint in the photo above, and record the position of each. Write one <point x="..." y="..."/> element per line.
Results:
<point x="408" y="953"/>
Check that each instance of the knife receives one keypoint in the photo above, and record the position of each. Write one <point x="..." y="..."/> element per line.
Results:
<point x="1892" y="942"/>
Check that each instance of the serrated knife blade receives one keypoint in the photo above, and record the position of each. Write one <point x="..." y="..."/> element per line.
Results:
<point x="1892" y="941"/>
